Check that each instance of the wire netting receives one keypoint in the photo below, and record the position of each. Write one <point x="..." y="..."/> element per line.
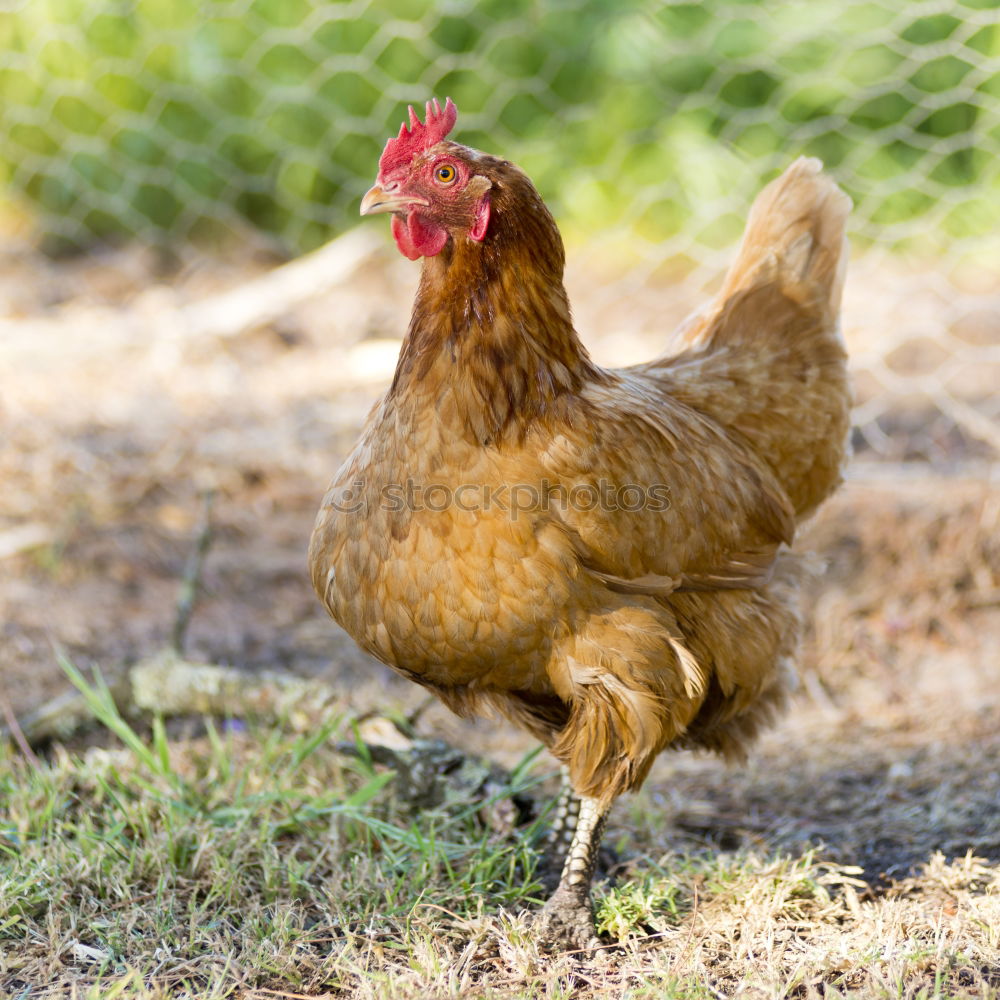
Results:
<point x="647" y="126"/>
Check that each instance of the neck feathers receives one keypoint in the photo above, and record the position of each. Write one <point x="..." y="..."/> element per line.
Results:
<point x="491" y="337"/>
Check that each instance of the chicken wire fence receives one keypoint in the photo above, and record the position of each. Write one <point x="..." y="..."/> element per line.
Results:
<point x="647" y="126"/>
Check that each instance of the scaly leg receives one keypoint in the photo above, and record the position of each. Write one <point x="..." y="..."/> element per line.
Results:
<point x="567" y="918"/>
<point x="559" y="835"/>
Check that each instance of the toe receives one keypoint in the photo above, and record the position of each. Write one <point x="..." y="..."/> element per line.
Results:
<point x="566" y="922"/>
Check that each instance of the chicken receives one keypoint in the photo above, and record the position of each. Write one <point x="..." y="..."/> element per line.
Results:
<point x="599" y="556"/>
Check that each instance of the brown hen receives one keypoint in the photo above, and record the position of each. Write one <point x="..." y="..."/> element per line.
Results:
<point x="600" y="556"/>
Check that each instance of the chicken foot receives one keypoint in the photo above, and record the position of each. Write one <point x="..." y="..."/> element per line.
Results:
<point x="567" y="918"/>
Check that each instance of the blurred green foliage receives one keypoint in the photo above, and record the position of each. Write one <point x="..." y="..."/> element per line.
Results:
<point x="177" y="119"/>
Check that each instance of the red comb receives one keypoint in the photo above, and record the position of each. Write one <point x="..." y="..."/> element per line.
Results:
<point x="413" y="140"/>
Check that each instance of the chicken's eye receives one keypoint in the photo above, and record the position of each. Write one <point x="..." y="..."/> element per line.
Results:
<point x="445" y="174"/>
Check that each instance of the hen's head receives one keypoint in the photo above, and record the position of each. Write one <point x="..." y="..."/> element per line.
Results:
<point x="435" y="189"/>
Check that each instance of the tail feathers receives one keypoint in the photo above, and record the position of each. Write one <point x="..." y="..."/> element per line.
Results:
<point x="795" y="237"/>
<point x="766" y="358"/>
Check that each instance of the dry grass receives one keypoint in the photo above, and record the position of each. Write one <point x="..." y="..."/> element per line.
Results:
<point x="261" y="865"/>
<point x="858" y="855"/>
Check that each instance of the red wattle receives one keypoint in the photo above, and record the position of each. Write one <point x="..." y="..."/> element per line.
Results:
<point x="401" y="234"/>
<point x="417" y="238"/>
<point x="427" y="237"/>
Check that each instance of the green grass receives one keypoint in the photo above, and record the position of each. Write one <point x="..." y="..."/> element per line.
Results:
<point x="236" y="858"/>
<point x="261" y="862"/>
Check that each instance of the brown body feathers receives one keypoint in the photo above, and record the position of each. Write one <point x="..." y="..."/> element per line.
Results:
<point x="598" y="555"/>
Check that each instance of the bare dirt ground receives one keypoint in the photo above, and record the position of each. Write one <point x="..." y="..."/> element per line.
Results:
<point x="113" y="429"/>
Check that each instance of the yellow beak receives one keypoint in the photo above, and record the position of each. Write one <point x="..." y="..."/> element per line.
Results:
<point x="377" y="200"/>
